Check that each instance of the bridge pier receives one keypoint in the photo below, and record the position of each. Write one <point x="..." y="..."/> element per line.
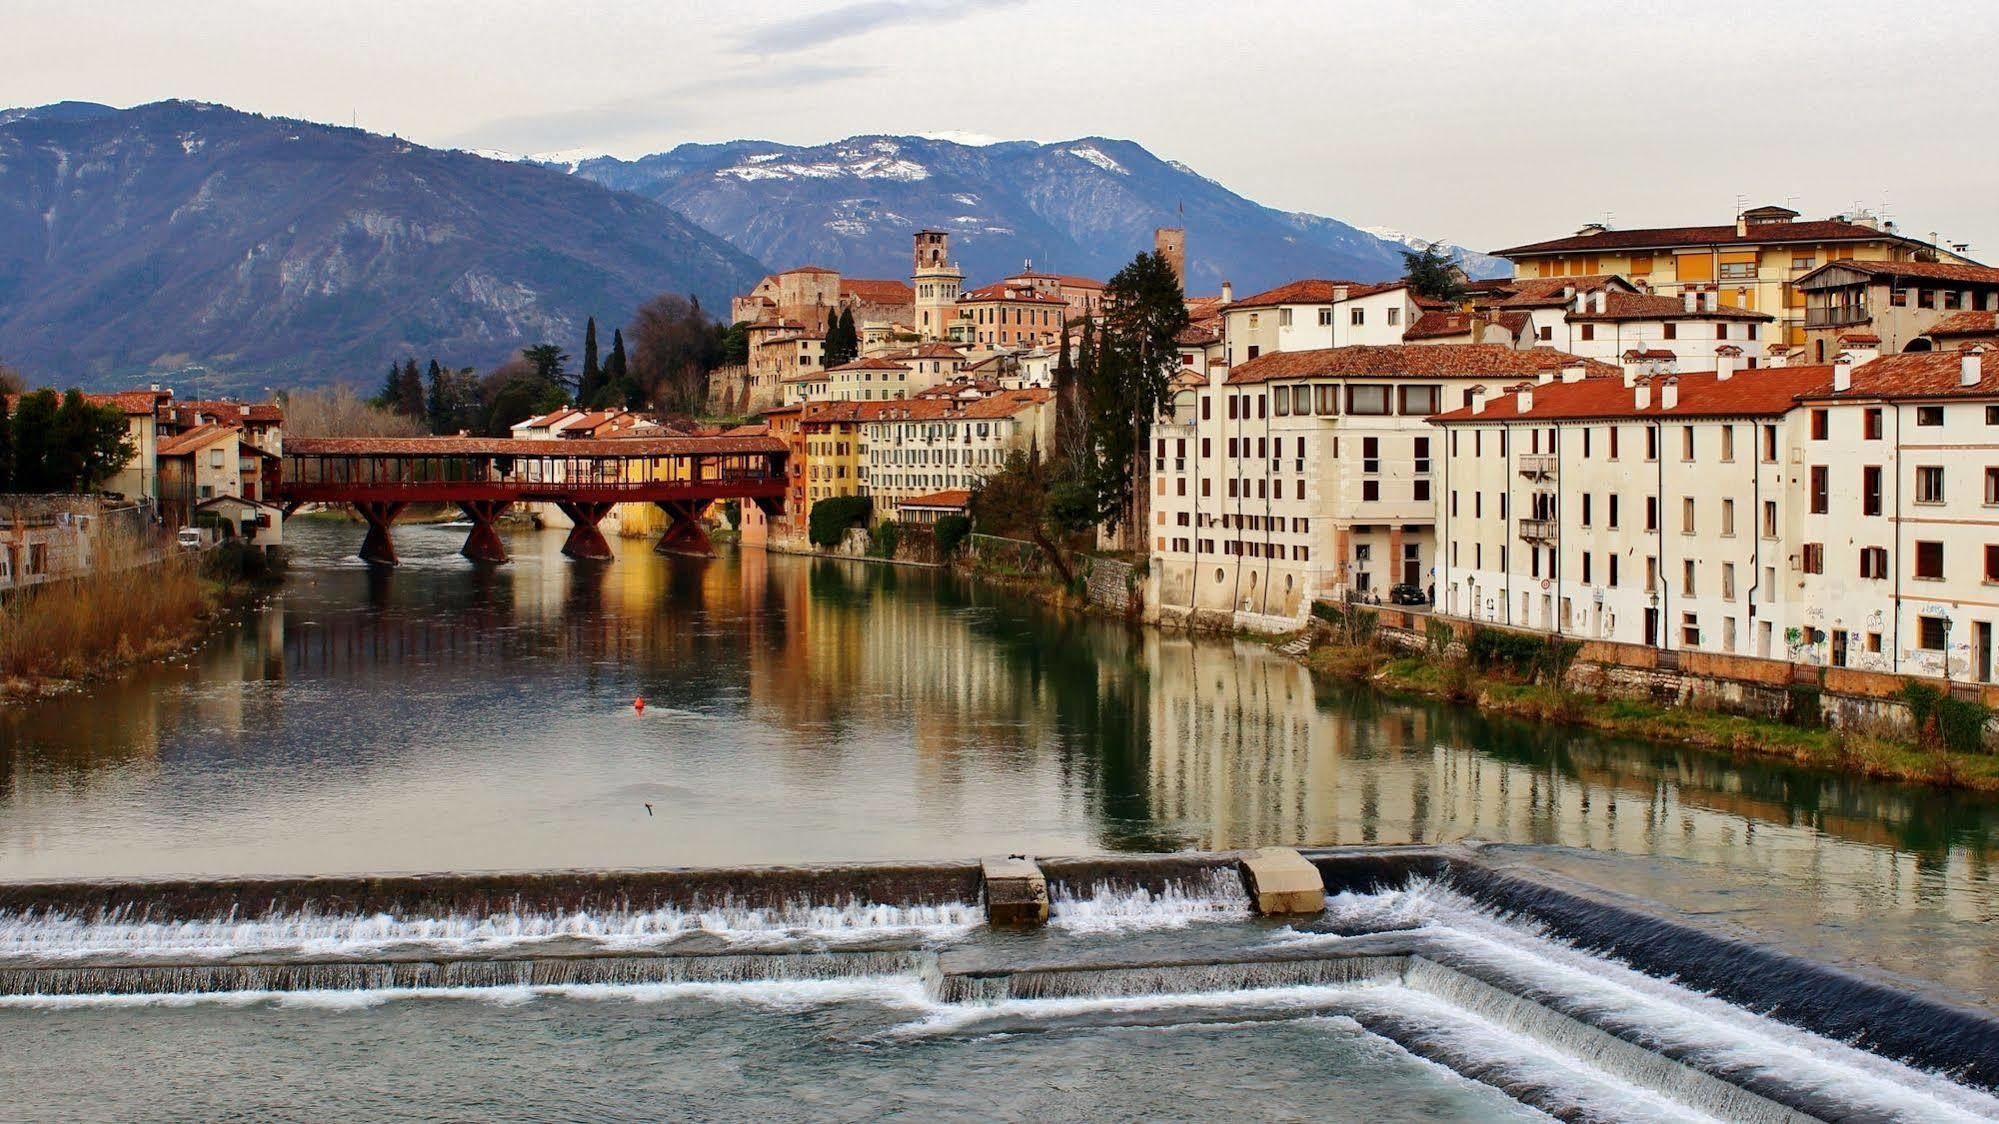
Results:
<point x="379" y="547"/>
<point x="684" y="535"/>
<point x="483" y="543"/>
<point x="586" y="539"/>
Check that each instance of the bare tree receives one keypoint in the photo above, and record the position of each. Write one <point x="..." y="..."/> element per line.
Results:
<point x="12" y="381"/>
<point x="674" y="346"/>
<point x="337" y="411"/>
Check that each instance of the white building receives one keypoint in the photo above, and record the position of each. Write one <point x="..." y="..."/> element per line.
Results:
<point x="923" y="446"/>
<point x="1311" y="474"/>
<point x="1661" y="335"/>
<point x="1311" y="315"/>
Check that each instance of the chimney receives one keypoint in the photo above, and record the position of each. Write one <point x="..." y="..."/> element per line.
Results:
<point x="1582" y="302"/>
<point x="1724" y="363"/>
<point x="1339" y="293"/>
<point x="1970" y="366"/>
<point x="1687" y="299"/>
<point x="1669" y="392"/>
<point x="1710" y="300"/>
<point x="1572" y="373"/>
<point x="1544" y="376"/>
<point x="1523" y="398"/>
<point x="1228" y="293"/>
<point x="1568" y="292"/>
<point x="1842" y="373"/>
<point x="1741" y="227"/>
<point x="1596" y="301"/>
<point x="1478" y="399"/>
<point x="246" y="410"/>
<point x="1642" y="394"/>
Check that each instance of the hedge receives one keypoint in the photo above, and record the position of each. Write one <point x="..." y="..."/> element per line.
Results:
<point x="831" y="517"/>
<point x="949" y="533"/>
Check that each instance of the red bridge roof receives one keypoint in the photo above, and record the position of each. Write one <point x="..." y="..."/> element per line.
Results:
<point x="624" y="447"/>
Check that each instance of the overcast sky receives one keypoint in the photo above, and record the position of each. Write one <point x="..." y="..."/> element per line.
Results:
<point x="1479" y="122"/>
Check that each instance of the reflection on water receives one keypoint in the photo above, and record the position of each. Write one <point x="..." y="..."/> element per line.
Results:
<point x="444" y="716"/>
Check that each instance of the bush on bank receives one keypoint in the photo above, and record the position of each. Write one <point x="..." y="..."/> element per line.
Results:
<point x="831" y="517"/>
<point x="949" y="533"/>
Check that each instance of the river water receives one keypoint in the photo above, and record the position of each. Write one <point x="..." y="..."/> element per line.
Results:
<point x="444" y="717"/>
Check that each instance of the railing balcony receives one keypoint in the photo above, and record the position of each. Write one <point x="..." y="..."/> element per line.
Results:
<point x="1836" y="316"/>
<point x="1537" y="530"/>
<point x="1537" y="464"/>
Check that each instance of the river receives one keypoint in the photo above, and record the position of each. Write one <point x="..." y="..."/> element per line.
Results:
<point x="448" y="717"/>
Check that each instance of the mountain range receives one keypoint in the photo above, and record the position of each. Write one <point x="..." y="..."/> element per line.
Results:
<point x="1081" y="206"/>
<point x="180" y="239"/>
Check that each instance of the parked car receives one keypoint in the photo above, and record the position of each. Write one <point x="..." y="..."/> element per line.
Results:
<point x="189" y="538"/>
<point x="1406" y="594"/>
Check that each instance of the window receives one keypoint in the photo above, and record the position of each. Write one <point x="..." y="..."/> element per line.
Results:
<point x="1370" y="490"/>
<point x="1301" y="400"/>
<point x="1950" y="299"/>
<point x="1586" y="509"/>
<point x="1687" y="578"/>
<point x="1586" y="560"/>
<point x="1929" y="483"/>
<point x="1589" y="331"/>
<point x="1420" y="491"/>
<point x="1929" y="561"/>
<point x="1613" y="511"/>
<point x="1871" y="422"/>
<point x="215" y="458"/>
<point x="1770" y="444"/>
<point x="1368" y="400"/>
<point x="1874" y="562"/>
<point x="1651" y="513"/>
<point x="1687" y="516"/>
<point x="1613" y="442"/>
<point x="1728" y="518"/>
<point x="1370" y="454"/>
<point x="1991" y="486"/>
<point x="1325" y="318"/>
<point x="1690" y="629"/>
<point x="1612" y="559"/>
<point x="1932" y="633"/>
<point x="1803" y="261"/>
<point x="1329" y="400"/>
<point x="1547" y="333"/>
<point x="1991" y="562"/>
<point x="1672" y="331"/>
<point x="1769" y="519"/>
<point x="1686" y="442"/>
<point x="1870" y="489"/>
<point x="1419" y="401"/>
<point x="1394" y="317"/>
<point x="1422" y="445"/>
<point x="1284" y="318"/>
<point x="1926" y="298"/>
<point x="1728" y="581"/>
<point x="1820" y="424"/>
<point x="1898" y="297"/>
<point x="1283" y="403"/>
<point x="1929" y="415"/>
<point x="1357" y="316"/>
<point x="1651" y="442"/>
<point x="1821" y="489"/>
<point x="1813" y="560"/>
<point x="1727" y="443"/>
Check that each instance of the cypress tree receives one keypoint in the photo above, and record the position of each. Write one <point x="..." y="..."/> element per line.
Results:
<point x="592" y="381"/>
<point x="850" y="337"/>
<point x="34" y="429"/>
<point x="409" y="401"/>
<point x="436" y="407"/>
<point x="391" y="391"/>
<point x="616" y="381"/>
<point x="6" y="448"/>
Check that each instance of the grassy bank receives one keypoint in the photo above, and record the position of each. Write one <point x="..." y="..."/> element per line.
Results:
<point x="116" y="618"/>
<point x="1503" y="693"/>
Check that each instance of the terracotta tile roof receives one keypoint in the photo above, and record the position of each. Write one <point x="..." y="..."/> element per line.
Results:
<point x="1453" y="360"/>
<point x="878" y="290"/>
<point x="809" y="269"/>
<point x="1916" y="270"/>
<point x="131" y="403"/>
<point x="957" y="498"/>
<point x="1619" y="305"/>
<point x="936" y="349"/>
<point x="1004" y="404"/>
<point x="194" y="440"/>
<point x="1444" y="325"/>
<point x="1965" y="324"/>
<point x="1634" y="355"/>
<point x="1919" y="374"/>
<point x="1018" y="294"/>
<point x="1759" y="393"/>
<point x="1193" y="335"/>
<point x="1863" y="337"/>
<point x="262" y="412"/>
<point x="773" y="325"/>
<point x="792" y="337"/>
<point x="1312" y="290"/>
<point x="1670" y="236"/>
<point x="870" y="363"/>
<point x="1073" y="281"/>
<point x="507" y="446"/>
<point x="1546" y="292"/>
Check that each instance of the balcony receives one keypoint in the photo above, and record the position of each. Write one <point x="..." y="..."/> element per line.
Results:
<point x="1537" y="465"/>
<point x="1537" y="530"/>
<point x="1836" y="316"/>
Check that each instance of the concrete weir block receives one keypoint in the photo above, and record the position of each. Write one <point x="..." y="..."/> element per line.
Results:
<point x="1280" y="880"/>
<point x="1016" y="891"/>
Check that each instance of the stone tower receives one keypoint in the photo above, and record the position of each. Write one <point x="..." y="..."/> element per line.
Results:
<point x="1171" y="241"/>
<point x="937" y="282"/>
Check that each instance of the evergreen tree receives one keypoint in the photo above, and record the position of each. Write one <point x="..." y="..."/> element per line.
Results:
<point x="6" y="448"/>
<point x="86" y="445"/>
<point x="1433" y="274"/>
<point x="617" y="378"/>
<point x="1144" y="310"/>
<point x="850" y="337"/>
<point x="34" y="431"/>
<point x="409" y="391"/>
<point x="591" y="384"/>
<point x="437" y="401"/>
<point x="550" y="363"/>
<point x="391" y="392"/>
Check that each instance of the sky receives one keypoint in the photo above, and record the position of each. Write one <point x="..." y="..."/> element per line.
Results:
<point x="1483" y="123"/>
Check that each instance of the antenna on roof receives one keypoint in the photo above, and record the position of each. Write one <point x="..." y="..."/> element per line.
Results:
<point x="1741" y="204"/>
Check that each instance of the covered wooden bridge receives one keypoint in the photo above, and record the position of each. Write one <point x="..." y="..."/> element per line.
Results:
<point x="379" y="477"/>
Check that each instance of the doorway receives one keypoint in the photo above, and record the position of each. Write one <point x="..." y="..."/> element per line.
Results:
<point x="1984" y="653"/>
<point x="1839" y="647"/>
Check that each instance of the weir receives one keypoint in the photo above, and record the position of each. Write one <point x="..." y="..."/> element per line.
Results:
<point x="1498" y="976"/>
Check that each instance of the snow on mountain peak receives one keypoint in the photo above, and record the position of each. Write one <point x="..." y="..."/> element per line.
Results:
<point x="1096" y="156"/>
<point x="880" y="159"/>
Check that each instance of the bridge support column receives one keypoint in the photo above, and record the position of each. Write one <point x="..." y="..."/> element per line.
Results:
<point x="684" y="535"/>
<point x="483" y="543"/>
<point x="585" y="540"/>
<point x="379" y="547"/>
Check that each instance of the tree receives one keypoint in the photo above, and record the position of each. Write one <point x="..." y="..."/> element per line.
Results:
<point x="338" y="411"/>
<point x="1072" y="424"/>
<point x="88" y="444"/>
<point x="1025" y="498"/>
<point x="617" y="378"/>
<point x="550" y="363"/>
<point x="11" y="380"/>
<point x="34" y="435"/>
<point x="674" y="346"/>
<point x="409" y="392"/>
<point x="1144" y="310"/>
<point x="6" y="447"/>
<point x="591" y="383"/>
<point x="391" y="392"/>
<point x="736" y="344"/>
<point x="1433" y="274"/>
<point x="843" y="341"/>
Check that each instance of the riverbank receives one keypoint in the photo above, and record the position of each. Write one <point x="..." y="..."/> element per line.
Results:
<point x="1451" y="680"/>
<point x="58" y="637"/>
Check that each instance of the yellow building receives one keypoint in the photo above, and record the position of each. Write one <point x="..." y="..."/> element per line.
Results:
<point x="831" y="434"/>
<point x="1751" y="264"/>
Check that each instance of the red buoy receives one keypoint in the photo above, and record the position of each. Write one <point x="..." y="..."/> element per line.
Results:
<point x="639" y="704"/>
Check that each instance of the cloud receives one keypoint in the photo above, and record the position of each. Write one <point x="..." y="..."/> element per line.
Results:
<point x="639" y="117"/>
<point x="849" y="20"/>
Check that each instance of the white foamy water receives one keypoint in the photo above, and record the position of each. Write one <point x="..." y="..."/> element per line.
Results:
<point x="1214" y="896"/>
<point x="904" y="991"/>
<point x="58" y="937"/>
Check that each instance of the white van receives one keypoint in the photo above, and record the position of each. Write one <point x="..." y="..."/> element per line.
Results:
<point x="190" y="538"/>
